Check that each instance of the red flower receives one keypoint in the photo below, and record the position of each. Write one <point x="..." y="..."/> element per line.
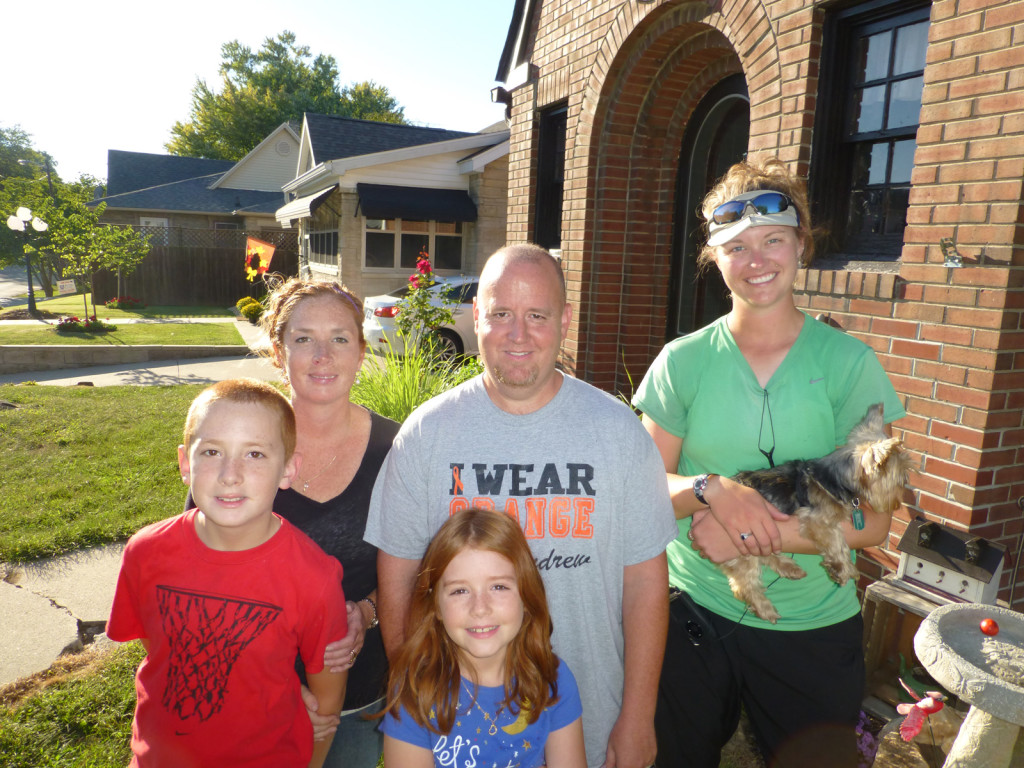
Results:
<point x="415" y="280"/>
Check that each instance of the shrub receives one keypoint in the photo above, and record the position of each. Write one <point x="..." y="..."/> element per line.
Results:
<point x="125" y="302"/>
<point x="245" y="301"/>
<point x="394" y="385"/>
<point x="417" y="315"/>
<point x="72" y="324"/>
<point x="252" y="311"/>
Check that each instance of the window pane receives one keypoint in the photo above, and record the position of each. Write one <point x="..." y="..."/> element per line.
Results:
<point x="897" y="201"/>
<point x="415" y="226"/>
<point x="873" y="57"/>
<point x="448" y="227"/>
<point x="902" y="161"/>
<point x="380" y="250"/>
<point x="411" y="247"/>
<point x="384" y="225"/>
<point x="866" y="212"/>
<point x="879" y="159"/>
<point x="447" y="252"/>
<point x="868" y="107"/>
<point x="905" y="103"/>
<point x="911" y="45"/>
<point x="323" y="247"/>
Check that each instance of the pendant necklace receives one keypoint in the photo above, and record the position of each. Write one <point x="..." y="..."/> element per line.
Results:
<point x="493" y="730"/>
<point x="305" y="483"/>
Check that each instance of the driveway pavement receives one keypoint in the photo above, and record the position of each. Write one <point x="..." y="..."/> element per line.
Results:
<point x="13" y="283"/>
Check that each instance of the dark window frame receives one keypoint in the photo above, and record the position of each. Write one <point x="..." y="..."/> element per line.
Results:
<point x="835" y="150"/>
<point x="551" y="142"/>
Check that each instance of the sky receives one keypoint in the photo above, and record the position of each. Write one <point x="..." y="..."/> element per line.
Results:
<point x="83" y="78"/>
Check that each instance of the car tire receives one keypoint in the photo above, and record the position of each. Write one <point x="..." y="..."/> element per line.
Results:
<point x="449" y="343"/>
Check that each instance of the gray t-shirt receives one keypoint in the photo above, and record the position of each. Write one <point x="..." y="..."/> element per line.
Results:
<point x="584" y="480"/>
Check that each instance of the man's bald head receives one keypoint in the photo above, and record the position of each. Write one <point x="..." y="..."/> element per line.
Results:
<point x="526" y="253"/>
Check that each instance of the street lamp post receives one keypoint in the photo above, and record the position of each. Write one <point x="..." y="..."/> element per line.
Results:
<point x="20" y="222"/>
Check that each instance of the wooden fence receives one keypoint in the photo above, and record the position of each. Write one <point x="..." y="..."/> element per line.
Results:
<point x="189" y="267"/>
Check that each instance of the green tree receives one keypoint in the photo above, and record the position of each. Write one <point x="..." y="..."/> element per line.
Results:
<point x="75" y="242"/>
<point x="84" y="246"/>
<point x="262" y="89"/>
<point x="17" y="156"/>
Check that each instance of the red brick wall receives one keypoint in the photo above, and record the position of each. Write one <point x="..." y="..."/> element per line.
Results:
<point x="952" y="339"/>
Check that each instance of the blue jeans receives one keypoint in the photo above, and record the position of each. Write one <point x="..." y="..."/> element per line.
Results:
<point x="357" y="742"/>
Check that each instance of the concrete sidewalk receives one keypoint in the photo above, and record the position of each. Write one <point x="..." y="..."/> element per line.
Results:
<point x="192" y="371"/>
<point x="53" y="606"/>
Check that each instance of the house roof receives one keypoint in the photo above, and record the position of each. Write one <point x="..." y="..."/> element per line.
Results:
<point x="514" y="52"/>
<point x="335" y="138"/>
<point x="130" y="171"/>
<point x="143" y="181"/>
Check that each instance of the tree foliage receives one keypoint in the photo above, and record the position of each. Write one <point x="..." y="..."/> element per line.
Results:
<point x="17" y="156"/>
<point x="262" y="89"/>
<point x="75" y="243"/>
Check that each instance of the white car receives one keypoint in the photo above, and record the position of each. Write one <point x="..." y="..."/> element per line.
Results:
<point x="379" y="313"/>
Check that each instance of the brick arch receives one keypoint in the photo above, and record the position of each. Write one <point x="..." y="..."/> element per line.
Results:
<point x="650" y="73"/>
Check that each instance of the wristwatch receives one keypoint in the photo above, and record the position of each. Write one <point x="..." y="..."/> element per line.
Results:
<point x="373" y="622"/>
<point x="700" y="483"/>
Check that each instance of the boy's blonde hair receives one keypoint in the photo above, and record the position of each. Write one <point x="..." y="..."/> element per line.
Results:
<point x="243" y="391"/>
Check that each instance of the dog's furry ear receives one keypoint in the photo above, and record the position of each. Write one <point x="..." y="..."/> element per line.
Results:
<point x="875" y="416"/>
<point x="876" y="454"/>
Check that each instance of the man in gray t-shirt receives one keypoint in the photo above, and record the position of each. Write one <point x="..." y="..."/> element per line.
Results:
<point x="578" y="471"/>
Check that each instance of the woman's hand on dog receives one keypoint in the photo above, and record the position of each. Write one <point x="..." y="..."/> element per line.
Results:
<point x="710" y="539"/>
<point x="746" y="518"/>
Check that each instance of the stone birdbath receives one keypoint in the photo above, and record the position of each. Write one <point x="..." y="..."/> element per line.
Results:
<point x="985" y="671"/>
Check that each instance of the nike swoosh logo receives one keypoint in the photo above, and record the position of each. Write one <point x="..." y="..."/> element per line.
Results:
<point x="815" y="381"/>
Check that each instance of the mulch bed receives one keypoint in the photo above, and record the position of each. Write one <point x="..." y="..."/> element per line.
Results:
<point x="24" y="314"/>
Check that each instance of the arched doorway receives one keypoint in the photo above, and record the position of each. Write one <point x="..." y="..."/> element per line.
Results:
<point x="716" y="137"/>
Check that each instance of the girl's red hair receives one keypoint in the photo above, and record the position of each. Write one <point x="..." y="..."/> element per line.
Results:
<point x="425" y="677"/>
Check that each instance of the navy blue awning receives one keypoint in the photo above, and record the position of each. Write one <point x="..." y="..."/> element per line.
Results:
<point x="385" y="201"/>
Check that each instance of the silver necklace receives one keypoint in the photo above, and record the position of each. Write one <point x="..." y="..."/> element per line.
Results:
<point x="305" y="483"/>
<point x="493" y="729"/>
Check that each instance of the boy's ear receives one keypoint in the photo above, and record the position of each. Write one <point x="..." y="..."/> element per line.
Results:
<point x="291" y="471"/>
<point x="183" y="463"/>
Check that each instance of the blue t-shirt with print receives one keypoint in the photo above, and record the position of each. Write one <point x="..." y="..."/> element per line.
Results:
<point x="478" y="739"/>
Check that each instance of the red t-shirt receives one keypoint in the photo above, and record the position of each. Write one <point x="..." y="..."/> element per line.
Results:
<point x="218" y="685"/>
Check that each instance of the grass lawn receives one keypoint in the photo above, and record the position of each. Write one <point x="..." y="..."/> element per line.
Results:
<point x="85" y="466"/>
<point x="77" y="713"/>
<point x="73" y="305"/>
<point x="126" y="334"/>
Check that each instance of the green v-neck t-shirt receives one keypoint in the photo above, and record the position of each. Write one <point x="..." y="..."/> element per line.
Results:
<point x="700" y="388"/>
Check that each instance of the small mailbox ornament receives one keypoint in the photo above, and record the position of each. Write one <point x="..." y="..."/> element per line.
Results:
<point x="956" y="564"/>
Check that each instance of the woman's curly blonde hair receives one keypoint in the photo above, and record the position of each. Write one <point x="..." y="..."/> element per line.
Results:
<point x="772" y="174"/>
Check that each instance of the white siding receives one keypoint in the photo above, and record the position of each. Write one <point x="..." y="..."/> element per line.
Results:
<point x="435" y="171"/>
<point x="267" y="169"/>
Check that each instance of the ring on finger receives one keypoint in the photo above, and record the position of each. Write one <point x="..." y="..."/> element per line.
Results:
<point x="689" y="534"/>
<point x="352" y="655"/>
<point x="745" y="536"/>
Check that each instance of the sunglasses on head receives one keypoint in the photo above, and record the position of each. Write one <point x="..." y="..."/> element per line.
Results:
<point x="764" y="204"/>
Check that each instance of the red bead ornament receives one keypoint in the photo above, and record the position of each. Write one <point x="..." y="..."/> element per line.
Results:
<point x="989" y="627"/>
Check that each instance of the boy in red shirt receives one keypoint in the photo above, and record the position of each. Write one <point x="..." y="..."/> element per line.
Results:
<point x="225" y="596"/>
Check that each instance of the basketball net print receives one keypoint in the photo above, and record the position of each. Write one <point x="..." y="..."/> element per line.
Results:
<point x="208" y="634"/>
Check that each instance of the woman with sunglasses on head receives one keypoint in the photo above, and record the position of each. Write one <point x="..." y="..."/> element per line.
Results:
<point x="760" y="386"/>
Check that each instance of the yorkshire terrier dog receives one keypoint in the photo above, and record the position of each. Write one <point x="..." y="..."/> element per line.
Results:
<point x="871" y="468"/>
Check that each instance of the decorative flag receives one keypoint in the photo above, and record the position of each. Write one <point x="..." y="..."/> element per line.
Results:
<point x="257" y="257"/>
